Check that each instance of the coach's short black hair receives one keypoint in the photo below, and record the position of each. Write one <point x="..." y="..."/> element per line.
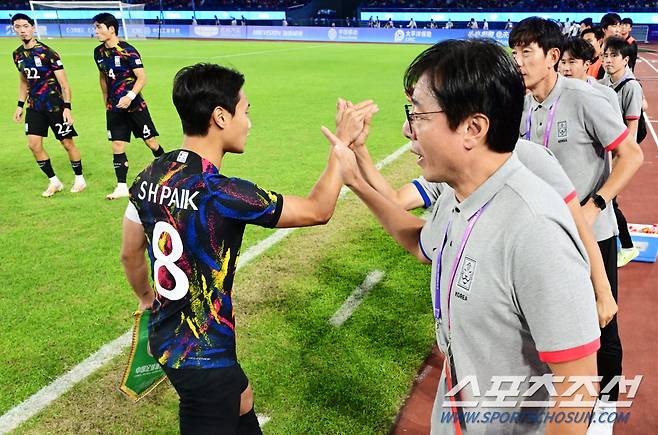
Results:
<point x="618" y="45"/>
<point x="108" y="19"/>
<point x="598" y="33"/>
<point x="609" y="19"/>
<point x="473" y="76"/>
<point x="578" y="48"/>
<point x="545" y="33"/>
<point x="17" y="17"/>
<point x="199" y="89"/>
<point x="627" y="21"/>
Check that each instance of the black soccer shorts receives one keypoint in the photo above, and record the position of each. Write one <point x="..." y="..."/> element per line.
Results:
<point x="121" y="124"/>
<point x="37" y="123"/>
<point x="209" y="398"/>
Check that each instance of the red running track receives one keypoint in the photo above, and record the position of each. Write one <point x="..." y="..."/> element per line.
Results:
<point x="638" y="295"/>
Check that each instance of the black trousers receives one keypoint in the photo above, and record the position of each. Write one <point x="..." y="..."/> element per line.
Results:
<point x="609" y="356"/>
<point x="624" y="235"/>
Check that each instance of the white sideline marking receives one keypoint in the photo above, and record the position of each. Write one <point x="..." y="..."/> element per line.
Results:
<point x="224" y="56"/>
<point x="263" y="419"/>
<point x="649" y="63"/>
<point x="651" y="129"/>
<point x="42" y="398"/>
<point x="646" y="118"/>
<point x="355" y="299"/>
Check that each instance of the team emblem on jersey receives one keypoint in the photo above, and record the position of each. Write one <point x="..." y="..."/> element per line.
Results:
<point x="562" y="129"/>
<point x="467" y="273"/>
<point x="117" y="60"/>
<point x="37" y="61"/>
<point x="182" y="157"/>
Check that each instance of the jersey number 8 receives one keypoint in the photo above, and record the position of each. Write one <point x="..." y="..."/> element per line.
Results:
<point x="167" y="261"/>
<point x="110" y="74"/>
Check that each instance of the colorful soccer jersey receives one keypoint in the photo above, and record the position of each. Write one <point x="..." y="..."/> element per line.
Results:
<point x="38" y="65"/>
<point x="117" y="64"/>
<point x="194" y="218"/>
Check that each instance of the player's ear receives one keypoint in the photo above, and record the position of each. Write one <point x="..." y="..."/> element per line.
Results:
<point x="219" y="117"/>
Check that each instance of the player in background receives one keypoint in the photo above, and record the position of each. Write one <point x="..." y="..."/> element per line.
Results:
<point x="122" y="78"/>
<point x="43" y="83"/>
<point x="626" y="29"/>
<point x="190" y="217"/>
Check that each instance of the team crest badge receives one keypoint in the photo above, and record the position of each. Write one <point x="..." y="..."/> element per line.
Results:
<point x="467" y="273"/>
<point x="37" y="61"/>
<point x="562" y="129"/>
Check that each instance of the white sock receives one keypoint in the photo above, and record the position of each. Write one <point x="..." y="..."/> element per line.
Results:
<point x="79" y="179"/>
<point x="54" y="180"/>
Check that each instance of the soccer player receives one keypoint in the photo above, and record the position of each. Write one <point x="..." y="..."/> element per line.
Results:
<point x="579" y="127"/>
<point x="503" y="307"/>
<point x="595" y="37"/>
<point x="122" y="78"/>
<point x="190" y="217"/>
<point x="616" y="57"/>
<point x="43" y="83"/>
<point x="610" y="25"/>
<point x="574" y="63"/>
<point x="626" y="29"/>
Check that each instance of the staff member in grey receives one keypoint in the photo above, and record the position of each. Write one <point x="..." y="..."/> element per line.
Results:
<point x="579" y="127"/>
<point x="510" y="280"/>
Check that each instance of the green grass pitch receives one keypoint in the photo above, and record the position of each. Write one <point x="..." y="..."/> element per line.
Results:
<point x="64" y="294"/>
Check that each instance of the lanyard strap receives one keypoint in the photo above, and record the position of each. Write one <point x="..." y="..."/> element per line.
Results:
<point x="549" y="123"/>
<point x="455" y="264"/>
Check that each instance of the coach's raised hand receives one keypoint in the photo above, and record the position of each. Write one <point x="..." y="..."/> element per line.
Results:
<point x="351" y="119"/>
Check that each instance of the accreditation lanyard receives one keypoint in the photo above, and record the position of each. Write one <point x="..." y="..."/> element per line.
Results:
<point x="455" y="264"/>
<point x="549" y="122"/>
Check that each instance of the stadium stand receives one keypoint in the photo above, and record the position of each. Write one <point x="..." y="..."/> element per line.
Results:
<point x="517" y="5"/>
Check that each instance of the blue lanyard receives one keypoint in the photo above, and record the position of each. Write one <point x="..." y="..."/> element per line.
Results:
<point x="460" y="252"/>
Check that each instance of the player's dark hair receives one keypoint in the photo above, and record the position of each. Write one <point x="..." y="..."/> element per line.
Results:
<point x="578" y="48"/>
<point x="609" y="19"/>
<point x="473" y="76"/>
<point x="109" y="20"/>
<point x="199" y="89"/>
<point x="588" y="22"/>
<point x="627" y="21"/>
<point x="17" y="17"/>
<point x="616" y="45"/>
<point x="545" y="33"/>
<point x="598" y="33"/>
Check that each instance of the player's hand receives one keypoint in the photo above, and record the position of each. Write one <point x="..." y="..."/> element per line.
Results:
<point x="18" y="114"/>
<point x="145" y="303"/>
<point x="606" y="308"/>
<point x="590" y="212"/>
<point x="350" y="119"/>
<point x="349" y="170"/>
<point x="124" y="102"/>
<point x="67" y="116"/>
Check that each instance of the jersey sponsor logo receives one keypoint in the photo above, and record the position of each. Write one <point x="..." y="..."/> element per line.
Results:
<point x="99" y="61"/>
<point x="182" y="157"/>
<point x="467" y="273"/>
<point x="165" y="195"/>
<point x="37" y="61"/>
<point x="117" y="61"/>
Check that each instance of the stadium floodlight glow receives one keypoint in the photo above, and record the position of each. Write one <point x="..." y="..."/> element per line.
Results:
<point x="64" y="13"/>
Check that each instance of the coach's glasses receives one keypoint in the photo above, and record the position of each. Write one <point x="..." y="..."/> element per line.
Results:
<point x="411" y="116"/>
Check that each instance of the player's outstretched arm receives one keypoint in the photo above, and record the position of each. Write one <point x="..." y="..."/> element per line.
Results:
<point x="60" y="75"/>
<point x="22" y="96"/>
<point x="404" y="227"/>
<point x="406" y="197"/>
<point x="133" y="245"/>
<point x="318" y="207"/>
